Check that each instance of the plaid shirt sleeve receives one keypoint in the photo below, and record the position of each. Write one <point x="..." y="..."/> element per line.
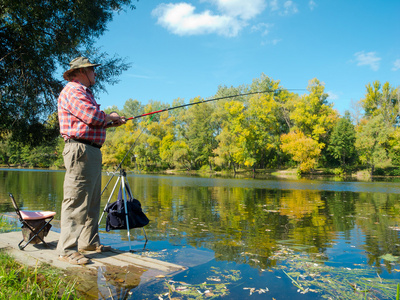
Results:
<point x="80" y="115"/>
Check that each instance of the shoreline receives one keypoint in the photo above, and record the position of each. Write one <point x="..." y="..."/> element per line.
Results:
<point x="362" y="175"/>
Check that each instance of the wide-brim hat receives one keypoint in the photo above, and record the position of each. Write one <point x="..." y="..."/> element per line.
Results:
<point x="78" y="63"/>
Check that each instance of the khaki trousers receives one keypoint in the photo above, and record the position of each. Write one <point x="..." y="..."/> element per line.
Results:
<point x="81" y="205"/>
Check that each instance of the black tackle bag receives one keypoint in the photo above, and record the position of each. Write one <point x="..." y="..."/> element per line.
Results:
<point x="116" y="218"/>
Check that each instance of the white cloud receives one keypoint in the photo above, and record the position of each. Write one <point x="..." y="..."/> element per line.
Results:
<point x="289" y="8"/>
<point x="284" y="8"/>
<point x="367" y="59"/>
<point x="262" y="27"/>
<point x="272" y="42"/>
<point x="396" y="65"/>
<point x="312" y="4"/>
<point x="238" y="8"/>
<point x="274" y="5"/>
<point x="182" y="18"/>
<point x="275" y="41"/>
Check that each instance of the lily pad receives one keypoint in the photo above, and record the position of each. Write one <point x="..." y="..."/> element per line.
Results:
<point x="389" y="257"/>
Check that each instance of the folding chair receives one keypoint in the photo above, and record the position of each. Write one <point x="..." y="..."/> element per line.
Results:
<point x="35" y="224"/>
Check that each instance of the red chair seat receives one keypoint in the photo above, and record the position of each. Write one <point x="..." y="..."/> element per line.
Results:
<point x="36" y="215"/>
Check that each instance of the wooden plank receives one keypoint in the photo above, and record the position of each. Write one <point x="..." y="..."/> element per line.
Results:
<point x="33" y="254"/>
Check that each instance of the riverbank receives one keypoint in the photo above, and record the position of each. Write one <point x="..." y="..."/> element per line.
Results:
<point x="120" y="269"/>
<point x="39" y="282"/>
<point x="362" y="174"/>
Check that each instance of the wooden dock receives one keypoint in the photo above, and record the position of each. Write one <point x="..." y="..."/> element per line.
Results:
<point x="111" y="275"/>
<point x="149" y="268"/>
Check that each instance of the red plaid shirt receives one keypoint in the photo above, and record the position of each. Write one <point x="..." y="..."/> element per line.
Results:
<point x="79" y="114"/>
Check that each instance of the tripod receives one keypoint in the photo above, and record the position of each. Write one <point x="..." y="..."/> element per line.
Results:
<point x="124" y="187"/>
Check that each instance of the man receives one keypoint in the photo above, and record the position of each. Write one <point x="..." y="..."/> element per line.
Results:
<point x="83" y="127"/>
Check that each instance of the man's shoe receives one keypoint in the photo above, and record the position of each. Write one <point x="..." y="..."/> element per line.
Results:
<point x="99" y="249"/>
<point x="75" y="258"/>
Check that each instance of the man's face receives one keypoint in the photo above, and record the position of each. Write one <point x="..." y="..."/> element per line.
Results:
<point x="91" y="74"/>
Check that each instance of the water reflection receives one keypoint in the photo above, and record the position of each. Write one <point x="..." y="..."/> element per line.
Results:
<point x="106" y="282"/>
<point x="247" y="221"/>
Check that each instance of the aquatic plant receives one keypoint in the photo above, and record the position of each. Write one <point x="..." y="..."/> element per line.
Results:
<point x="310" y="275"/>
<point x="6" y="225"/>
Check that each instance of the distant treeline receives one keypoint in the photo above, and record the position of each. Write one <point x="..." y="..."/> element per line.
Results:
<point x="275" y="130"/>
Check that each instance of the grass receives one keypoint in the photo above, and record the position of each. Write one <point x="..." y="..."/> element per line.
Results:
<point x="398" y="292"/>
<point x="22" y="282"/>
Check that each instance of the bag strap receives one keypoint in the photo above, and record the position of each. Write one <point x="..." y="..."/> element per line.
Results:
<point x="128" y="192"/>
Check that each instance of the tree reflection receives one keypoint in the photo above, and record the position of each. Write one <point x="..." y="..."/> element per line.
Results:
<point x="245" y="225"/>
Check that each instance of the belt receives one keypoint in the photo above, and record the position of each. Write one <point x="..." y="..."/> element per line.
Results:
<point x="86" y="142"/>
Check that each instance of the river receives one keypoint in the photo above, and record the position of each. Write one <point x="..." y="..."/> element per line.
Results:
<point x="248" y="238"/>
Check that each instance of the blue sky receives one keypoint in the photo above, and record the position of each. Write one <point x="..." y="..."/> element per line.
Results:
<point x="184" y="49"/>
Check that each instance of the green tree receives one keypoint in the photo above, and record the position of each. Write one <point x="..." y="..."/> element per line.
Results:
<point x="372" y="137"/>
<point x="132" y="108"/>
<point x="224" y="153"/>
<point x="394" y="146"/>
<point x="265" y="116"/>
<point x="148" y="149"/>
<point x="381" y="100"/>
<point x="175" y="153"/>
<point x="231" y="139"/>
<point x="222" y="119"/>
<point x="197" y="130"/>
<point x="37" y="38"/>
<point x="263" y="119"/>
<point x="342" y="140"/>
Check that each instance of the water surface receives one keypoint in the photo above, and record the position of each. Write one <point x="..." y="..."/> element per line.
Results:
<point x="249" y="238"/>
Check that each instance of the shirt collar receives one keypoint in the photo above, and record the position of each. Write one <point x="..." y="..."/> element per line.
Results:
<point x="84" y="86"/>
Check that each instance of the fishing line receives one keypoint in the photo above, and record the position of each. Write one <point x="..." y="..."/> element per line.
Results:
<point x="209" y="100"/>
<point x="180" y="106"/>
<point x="123" y="159"/>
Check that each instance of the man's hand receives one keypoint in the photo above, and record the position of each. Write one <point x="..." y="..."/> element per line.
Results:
<point x="114" y="120"/>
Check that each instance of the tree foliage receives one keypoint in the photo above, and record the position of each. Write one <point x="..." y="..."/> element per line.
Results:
<point x="312" y="114"/>
<point x="382" y="100"/>
<point x="197" y="131"/>
<point x="276" y="129"/>
<point x="304" y="150"/>
<point x="37" y="40"/>
<point x="342" y="141"/>
<point x="372" y="139"/>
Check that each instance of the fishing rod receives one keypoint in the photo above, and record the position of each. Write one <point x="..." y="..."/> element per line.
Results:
<point x="203" y="101"/>
<point x="119" y="167"/>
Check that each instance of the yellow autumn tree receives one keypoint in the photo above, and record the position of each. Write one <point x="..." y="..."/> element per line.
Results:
<point x="117" y="145"/>
<point x="312" y="113"/>
<point x="303" y="150"/>
<point x="230" y="139"/>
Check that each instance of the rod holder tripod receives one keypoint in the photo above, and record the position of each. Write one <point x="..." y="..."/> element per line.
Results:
<point x="124" y="186"/>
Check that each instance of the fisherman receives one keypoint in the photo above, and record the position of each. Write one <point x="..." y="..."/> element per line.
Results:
<point x="83" y="127"/>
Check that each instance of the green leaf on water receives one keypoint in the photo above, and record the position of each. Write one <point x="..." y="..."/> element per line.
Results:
<point x="389" y="257"/>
